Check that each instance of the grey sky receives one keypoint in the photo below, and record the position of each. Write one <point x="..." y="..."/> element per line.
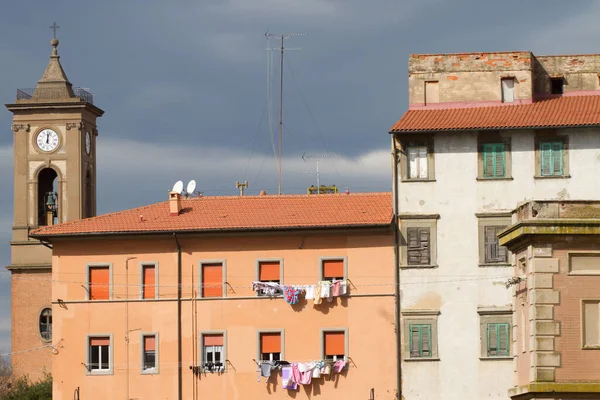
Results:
<point x="183" y="84"/>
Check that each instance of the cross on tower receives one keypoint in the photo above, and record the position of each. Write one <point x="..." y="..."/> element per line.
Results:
<point x="54" y="27"/>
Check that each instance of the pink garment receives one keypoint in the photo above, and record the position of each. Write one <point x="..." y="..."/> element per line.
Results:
<point x="302" y="378"/>
<point x="287" y="380"/>
<point x="336" y="288"/>
<point x="339" y="366"/>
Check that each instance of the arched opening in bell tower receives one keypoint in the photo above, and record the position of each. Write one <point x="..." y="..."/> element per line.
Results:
<point x="89" y="196"/>
<point x="47" y="197"/>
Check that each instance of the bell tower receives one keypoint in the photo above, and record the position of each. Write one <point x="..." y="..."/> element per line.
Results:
<point x="54" y="131"/>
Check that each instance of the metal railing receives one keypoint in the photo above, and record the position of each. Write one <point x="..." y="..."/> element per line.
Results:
<point x="54" y="93"/>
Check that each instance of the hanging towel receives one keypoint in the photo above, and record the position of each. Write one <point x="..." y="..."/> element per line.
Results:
<point x="339" y="366"/>
<point x="265" y="370"/>
<point x="290" y="294"/>
<point x="336" y="288"/>
<point x="318" y="297"/>
<point x="287" y="381"/>
<point x="310" y="292"/>
<point x="343" y="288"/>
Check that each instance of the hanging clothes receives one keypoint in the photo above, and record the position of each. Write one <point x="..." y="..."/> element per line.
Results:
<point x="318" y="297"/>
<point x="301" y="378"/>
<point x="343" y="287"/>
<point x="339" y="366"/>
<point x="310" y="292"/>
<point x="265" y="370"/>
<point x="287" y="381"/>
<point x="267" y="288"/>
<point x="291" y="294"/>
<point x="335" y="289"/>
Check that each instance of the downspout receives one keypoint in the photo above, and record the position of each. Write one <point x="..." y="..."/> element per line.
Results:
<point x="397" y="308"/>
<point x="179" y="351"/>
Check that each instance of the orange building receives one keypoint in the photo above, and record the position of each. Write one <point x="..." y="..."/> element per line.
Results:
<point x="556" y="323"/>
<point x="182" y="299"/>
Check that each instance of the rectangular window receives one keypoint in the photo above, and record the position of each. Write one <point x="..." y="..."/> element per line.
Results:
<point x="417" y="162"/>
<point x="149" y="281"/>
<point x="332" y="269"/>
<point x="557" y="85"/>
<point x="591" y="323"/>
<point x="270" y="346"/>
<point x="149" y="353"/>
<point x="420" y="340"/>
<point x="212" y="280"/>
<point x="418" y="246"/>
<point x="498" y="339"/>
<point x="551" y="158"/>
<point x="212" y="349"/>
<point x="269" y="271"/>
<point x="494" y="253"/>
<point x="334" y="345"/>
<point x="99" y="283"/>
<point x="99" y="355"/>
<point x="432" y="92"/>
<point x="494" y="160"/>
<point x="508" y="90"/>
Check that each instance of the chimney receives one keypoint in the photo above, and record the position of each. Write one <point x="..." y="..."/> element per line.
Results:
<point x="263" y="193"/>
<point x="174" y="203"/>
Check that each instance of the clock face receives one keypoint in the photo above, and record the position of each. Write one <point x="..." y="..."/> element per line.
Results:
<point x="47" y="140"/>
<point x="88" y="143"/>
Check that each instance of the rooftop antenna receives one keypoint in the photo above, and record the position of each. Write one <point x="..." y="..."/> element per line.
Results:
<point x="178" y="187"/>
<point x="319" y="158"/>
<point x="241" y="186"/>
<point x="282" y="37"/>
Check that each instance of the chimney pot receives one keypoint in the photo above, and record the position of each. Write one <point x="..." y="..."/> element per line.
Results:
<point x="263" y="193"/>
<point x="174" y="203"/>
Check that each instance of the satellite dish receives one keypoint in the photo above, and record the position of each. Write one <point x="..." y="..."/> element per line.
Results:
<point x="191" y="186"/>
<point x="178" y="187"/>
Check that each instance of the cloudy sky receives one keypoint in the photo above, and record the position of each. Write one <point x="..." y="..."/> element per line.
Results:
<point x="185" y="86"/>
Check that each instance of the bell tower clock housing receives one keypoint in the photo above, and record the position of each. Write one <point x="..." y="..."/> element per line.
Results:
<point x="54" y="131"/>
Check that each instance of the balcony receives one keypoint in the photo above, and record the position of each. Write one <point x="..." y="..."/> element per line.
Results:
<point x="54" y="94"/>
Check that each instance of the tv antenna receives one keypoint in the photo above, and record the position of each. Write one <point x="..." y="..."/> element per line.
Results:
<point x="282" y="37"/>
<point x="319" y="158"/>
<point x="242" y="186"/>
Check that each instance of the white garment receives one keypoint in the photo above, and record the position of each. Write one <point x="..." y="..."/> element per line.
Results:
<point x="325" y="290"/>
<point x="310" y="292"/>
<point x="343" y="287"/>
<point x="316" y="373"/>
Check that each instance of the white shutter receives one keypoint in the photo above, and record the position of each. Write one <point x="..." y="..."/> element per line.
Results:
<point x="413" y="154"/>
<point x="423" y="162"/>
<point x="508" y="90"/>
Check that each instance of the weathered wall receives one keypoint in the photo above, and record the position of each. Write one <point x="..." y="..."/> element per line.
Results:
<point x="580" y="72"/>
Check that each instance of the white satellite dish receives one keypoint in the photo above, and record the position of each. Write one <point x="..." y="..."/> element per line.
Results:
<point x="191" y="187"/>
<point x="178" y="187"/>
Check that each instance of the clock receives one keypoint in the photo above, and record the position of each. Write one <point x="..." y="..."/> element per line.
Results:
<point x="47" y="140"/>
<point x="88" y="143"/>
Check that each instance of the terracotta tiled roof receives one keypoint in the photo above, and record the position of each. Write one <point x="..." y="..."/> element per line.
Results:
<point x="238" y="213"/>
<point x="549" y="113"/>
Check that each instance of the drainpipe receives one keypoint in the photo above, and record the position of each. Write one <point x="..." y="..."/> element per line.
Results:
<point x="179" y="351"/>
<point x="397" y="308"/>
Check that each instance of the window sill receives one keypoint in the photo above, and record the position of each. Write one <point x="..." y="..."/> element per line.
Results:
<point x="482" y="179"/>
<point x="150" y="371"/>
<point x="420" y="359"/>
<point x="584" y="273"/>
<point x="96" y="372"/>
<point x="552" y="177"/>
<point x="418" y="266"/>
<point x="501" y="358"/>
<point x="592" y="347"/>
<point x="417" y="180"/>
<point x="492" y="265"/>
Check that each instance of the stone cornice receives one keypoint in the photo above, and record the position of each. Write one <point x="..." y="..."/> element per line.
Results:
<point x="515" y="232"/>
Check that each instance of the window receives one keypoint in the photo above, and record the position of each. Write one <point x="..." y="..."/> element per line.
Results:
<point x="508" y="90"/>
<point x="419" y="242"/>
<point x="99" y="282"/>
<point x="591" y="323"/>
<point x="212" y="279"/>
<point x="334" y="344"/>
<point x="46" y="324"/>
<point x="496" y="327"/>
<point x="333" y="269"/>
<point x="551" y="158"/>
<point x="269" y="271"/>
<point x="149" y="353"/>
<point x="557" y="85"/>
<point x="99" y="355"/>
<point x="270" y="346"/>
<point x="213" y="357"/>
<point x="551" y="155"/>
<point x="432" y="92"/>
<point x="584" y="263"/>
<point x="493" y="160"/>
<point x="420" y="335"/>
<point x="417" y="162"/>
<point x="149" y="281"/>
<point x="490" y="251"/>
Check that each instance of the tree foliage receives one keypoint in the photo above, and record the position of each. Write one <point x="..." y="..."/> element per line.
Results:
<point x="22" y="389"/>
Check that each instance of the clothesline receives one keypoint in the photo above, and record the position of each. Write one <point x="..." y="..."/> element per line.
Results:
<point x="291" y="293"/>
<point x="295" y="374"/>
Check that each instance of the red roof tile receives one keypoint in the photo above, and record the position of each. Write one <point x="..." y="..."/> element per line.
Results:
<point x="555" y="112"/>
<point x="238" y="213"/>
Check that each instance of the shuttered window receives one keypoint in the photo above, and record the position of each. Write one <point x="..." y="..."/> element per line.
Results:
<point x="212" y="280"/>
<point x="99" y="283"/>
<point x="417" y="162"/>
<point x="99" y="354"/>
<point x="418" y="247"/>
<point x="270" y="346"/>
<point x="420" y="340"/>
<point x="551" y="156"/>
<point x="149" y="352"/>
<point x="213" y="352"/>
<point x="149" y="282"/>
<point x="269" y="271"/>
<point x="498" y="339"/>
<point x="493" y="251"/>
<point x="494" y="160"/>
<point x="334" y="345"/>
<point x="333" y="269"/>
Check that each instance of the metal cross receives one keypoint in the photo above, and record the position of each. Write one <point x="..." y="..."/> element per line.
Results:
<point x="54" y="27"/>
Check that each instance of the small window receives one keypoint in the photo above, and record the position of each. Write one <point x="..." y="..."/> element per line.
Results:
<point x="420" y="341"/>
<point x="99" y="355"/>
<point x="149" y="361"/>
<point x="496" y="327"/>
<point x="557" y="85"/>
<point x="591" y="323"/>
<point x="432" y="92"/>
<point x="46" y="324"/>
<point x="551" y="158"/>
<point x="334" y="345"/>
<point x="498" y="339"/>
<point x="508" y="90"/>
<point x="212" y="280"/>
<point x="418" y="246"/>
<point x="494" y="160"/>
<point x="420" y="335"/>
<point x="212" y="349"/>
<point x="99" y="283"/>
<point x="270" y="272"/>
<point x="148" y="281"/>
<point x="270" y="346"/>
<point x="417" y="162"/>
<point x="333" y="270"/>
<point x="494" y="253"/>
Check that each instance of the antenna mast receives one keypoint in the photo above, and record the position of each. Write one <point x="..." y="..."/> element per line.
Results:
<point x="319" y="158"/>
<point x="282" y="37"/>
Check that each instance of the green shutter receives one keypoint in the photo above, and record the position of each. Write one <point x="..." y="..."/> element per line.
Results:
<point x="551" y="158"/>
<point x="494" y="160"/>
<point x="498" y="335"/>
<point x="420" y="341"/>
<point x="557" y="158"/>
